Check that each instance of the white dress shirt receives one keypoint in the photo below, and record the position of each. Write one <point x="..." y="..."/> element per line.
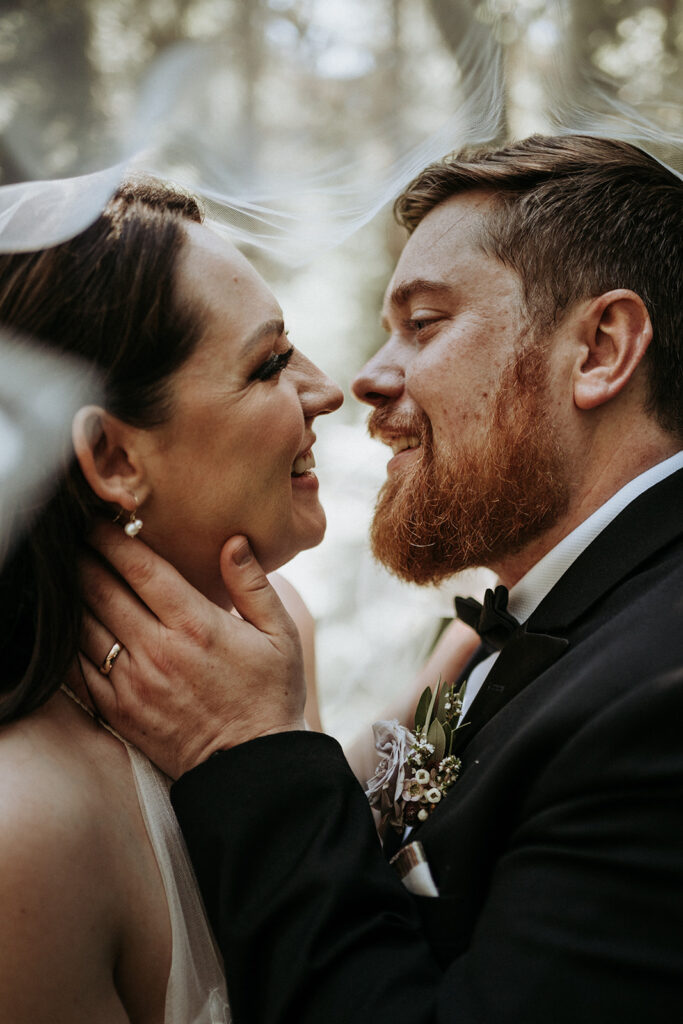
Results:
<point x="527" y="594"/>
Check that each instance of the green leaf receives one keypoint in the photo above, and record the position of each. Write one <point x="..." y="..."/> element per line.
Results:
<point x="448" y="733"/>
<point x="430" y="710"/>
<point x="443" y="698"/>
<point x="437" y="737"/>
<point x="422" y="707"/>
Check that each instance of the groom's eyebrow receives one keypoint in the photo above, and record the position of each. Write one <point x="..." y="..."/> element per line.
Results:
<point x="404" y="292"/>
<point x="274" y="327"/>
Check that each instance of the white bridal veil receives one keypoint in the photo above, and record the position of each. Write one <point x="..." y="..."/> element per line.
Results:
<point x="297" y="121"/>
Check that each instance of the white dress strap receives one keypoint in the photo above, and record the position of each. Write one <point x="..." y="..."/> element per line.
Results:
<point x="196" y="992"/>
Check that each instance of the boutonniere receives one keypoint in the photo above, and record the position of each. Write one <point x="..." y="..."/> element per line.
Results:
<point x="416" y="769"/>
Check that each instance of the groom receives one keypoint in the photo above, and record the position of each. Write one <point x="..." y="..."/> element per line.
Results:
<point x="531" y="387"/>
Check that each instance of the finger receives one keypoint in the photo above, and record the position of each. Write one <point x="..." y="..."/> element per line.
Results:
<point x="110" y="695"/>
<point x="166" y="593"/>
<point x="114" y="605"/>
<point x="96" y="642"/>
<point x="142" y="725"/>
<point x="94" y="689"/>
<point x="251" y="592"/>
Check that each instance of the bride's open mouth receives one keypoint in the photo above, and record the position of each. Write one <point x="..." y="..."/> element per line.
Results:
<point x="302" y="469"/>
<point x="303" y="463"/>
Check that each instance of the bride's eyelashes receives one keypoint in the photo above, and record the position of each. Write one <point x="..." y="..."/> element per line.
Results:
<point x="273" y="365"/>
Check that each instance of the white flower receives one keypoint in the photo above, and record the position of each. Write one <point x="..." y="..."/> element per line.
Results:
<point x="392" y="742"/>
<point x="422" y="776"/>
<point x="422" y="814"/>
<point x="433" y="795"/>
<point x="413" y="790"/>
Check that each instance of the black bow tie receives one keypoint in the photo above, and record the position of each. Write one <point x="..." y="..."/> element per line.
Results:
<point x="492" y="621"/>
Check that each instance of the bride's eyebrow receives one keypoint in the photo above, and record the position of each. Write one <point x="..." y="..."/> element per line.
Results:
<point x="274" y="327"/>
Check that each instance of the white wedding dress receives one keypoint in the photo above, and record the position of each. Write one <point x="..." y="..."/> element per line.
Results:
<point x="196" y="992"/>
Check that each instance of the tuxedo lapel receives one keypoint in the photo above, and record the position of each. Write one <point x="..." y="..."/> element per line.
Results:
<point x="523" y="658"/>
<point x="391" y="842"/>
<point x="650" y="523"/>
<point x="644" y="527"/>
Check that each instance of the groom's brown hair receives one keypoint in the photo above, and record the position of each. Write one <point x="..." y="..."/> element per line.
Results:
<point x="576" y="216"/>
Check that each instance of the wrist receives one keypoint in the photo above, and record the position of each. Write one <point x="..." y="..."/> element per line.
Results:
<point x="235" y="737"/>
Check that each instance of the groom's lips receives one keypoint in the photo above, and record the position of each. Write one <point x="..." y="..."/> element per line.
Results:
<point x="402" y="442"/>
<point x="403" y="445"/>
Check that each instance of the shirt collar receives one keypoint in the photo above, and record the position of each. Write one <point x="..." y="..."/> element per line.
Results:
<point x="527" y="594"/>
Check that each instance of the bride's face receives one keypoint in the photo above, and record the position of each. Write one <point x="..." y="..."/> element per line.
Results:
<point x="243" y="413"/>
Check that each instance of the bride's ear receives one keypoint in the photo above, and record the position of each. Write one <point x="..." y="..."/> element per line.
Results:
<point x="107" y="454"/>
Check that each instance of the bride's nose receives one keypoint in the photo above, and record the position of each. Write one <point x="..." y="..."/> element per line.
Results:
<point x="318" y="393"/>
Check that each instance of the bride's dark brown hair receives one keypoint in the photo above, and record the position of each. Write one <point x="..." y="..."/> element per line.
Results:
<point x="109" y="296"/>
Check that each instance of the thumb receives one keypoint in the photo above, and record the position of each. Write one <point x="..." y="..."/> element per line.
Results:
<point x="252" y="595"/>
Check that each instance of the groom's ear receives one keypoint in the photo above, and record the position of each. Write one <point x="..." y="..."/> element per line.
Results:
<point x="614" y="332"/>
<point x="107" y="454"/>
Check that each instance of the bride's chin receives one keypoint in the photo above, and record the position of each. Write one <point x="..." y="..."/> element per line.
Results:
<point x="270" y="560"/>
<point x="205" y="574"/>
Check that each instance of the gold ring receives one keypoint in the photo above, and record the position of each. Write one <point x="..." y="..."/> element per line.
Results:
<point x="106" y="666"/>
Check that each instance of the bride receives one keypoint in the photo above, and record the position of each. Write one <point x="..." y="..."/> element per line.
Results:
<point x="205" y="430"/>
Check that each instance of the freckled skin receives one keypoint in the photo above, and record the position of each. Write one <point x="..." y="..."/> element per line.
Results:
<point x="456" y="322"/>
<point x="449" y="369"/>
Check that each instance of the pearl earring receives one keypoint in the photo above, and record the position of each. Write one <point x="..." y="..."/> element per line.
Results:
<point x="134" y="524"/>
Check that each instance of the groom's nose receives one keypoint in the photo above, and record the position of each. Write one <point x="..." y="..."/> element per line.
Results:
<point x="382" y="378"/>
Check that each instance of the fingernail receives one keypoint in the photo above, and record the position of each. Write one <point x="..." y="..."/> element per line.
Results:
<point x="242" y="555"/>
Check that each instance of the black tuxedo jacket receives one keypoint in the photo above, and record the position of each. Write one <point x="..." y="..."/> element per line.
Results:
<point x="558" y="853"/>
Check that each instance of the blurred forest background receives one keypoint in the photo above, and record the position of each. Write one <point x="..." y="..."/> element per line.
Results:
<point x="345" y="96"/>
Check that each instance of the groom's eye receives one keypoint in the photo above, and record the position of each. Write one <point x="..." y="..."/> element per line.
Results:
<point x="273" y="365"/>
<point x="415" y="325"/>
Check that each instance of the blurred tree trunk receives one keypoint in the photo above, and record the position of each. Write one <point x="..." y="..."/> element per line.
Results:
<point x="56" y="107"/>
<point x="397" y="92"/>
<point x="10" y="170"/>
<point x="249" y="24"/>
<point x="673" y="12"/>
<point x="455" y="19"/>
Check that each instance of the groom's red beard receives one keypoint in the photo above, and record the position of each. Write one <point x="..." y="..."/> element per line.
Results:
<point x="477" y="504"/>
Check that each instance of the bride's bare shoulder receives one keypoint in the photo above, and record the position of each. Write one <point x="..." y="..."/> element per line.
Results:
<point x="56" y="911"/>
<point x="80" y="888"/>
<point x="49" y="813"/>
<point x="44" y="762"/>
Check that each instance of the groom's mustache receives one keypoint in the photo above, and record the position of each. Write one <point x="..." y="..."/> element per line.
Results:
<point x="383" y="423"/>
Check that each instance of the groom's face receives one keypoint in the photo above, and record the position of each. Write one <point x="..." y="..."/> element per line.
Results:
<point x="462" y="391"/>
